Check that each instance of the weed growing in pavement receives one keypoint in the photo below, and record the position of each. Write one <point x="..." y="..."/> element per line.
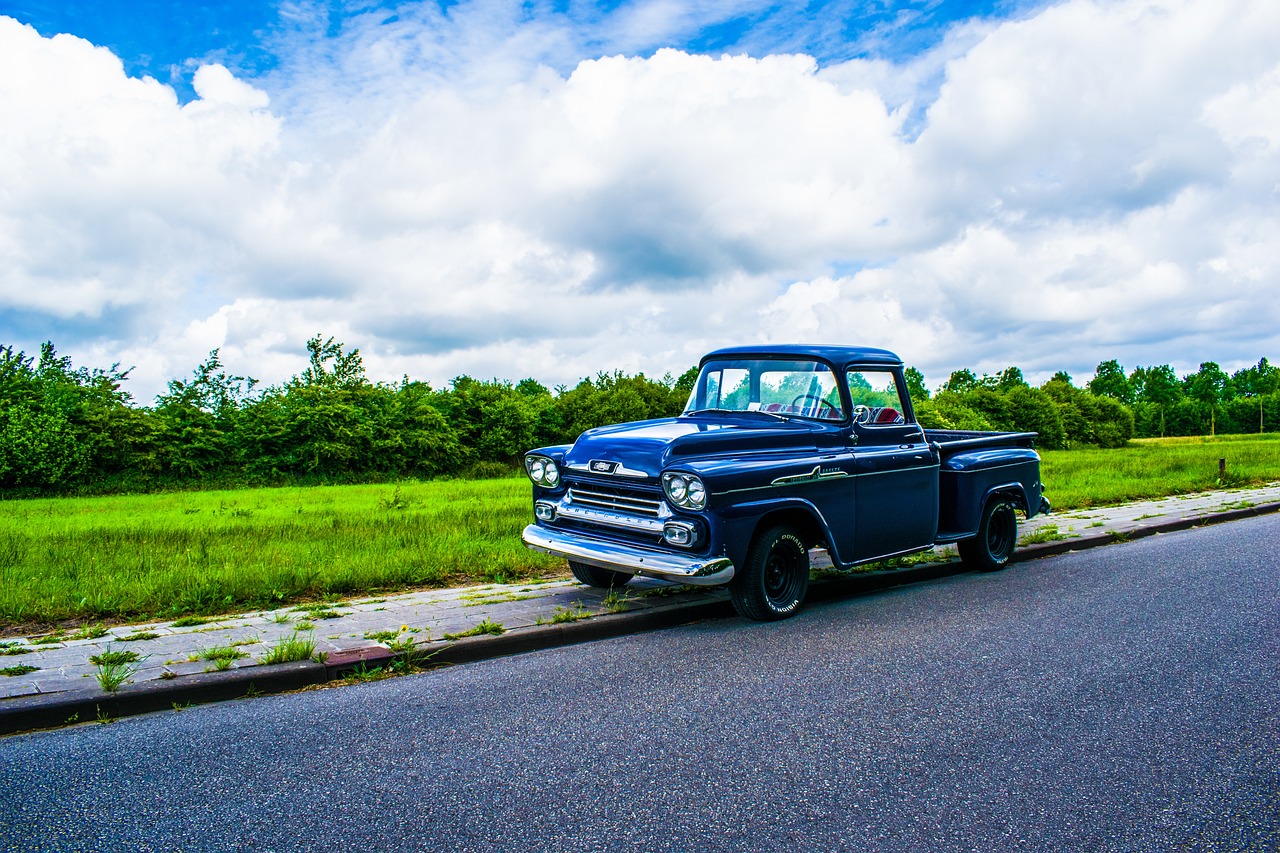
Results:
<point x="481" y="599"/>
<point x="565" y="614"/>
<point x="221" y="656"/>
<point x="381" y="636"/>
<point x="289" y="649"/>
<point x="616" y="601"/>
<point x="318" y="611"/>
<point x="13" y="647"/>
<point x="362" y="673"/>
<point x="48" y="639"/>
<point x="485" y="627"/>
<point x="103" y="716"/>
<point x="404" y="645"/>
<point x="1048" y="533"/>
<point x="110" y="656"/>
<point x="115" y="667"/>
<point x="90" y="632"/>
<point x="190" y="621"/>
<point x="138" y="636"/>
<point x="280" y="618"/>
<point x="11" y="671"/>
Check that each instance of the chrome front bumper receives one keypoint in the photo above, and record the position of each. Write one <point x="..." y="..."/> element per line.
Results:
<point x="636" y="560"/>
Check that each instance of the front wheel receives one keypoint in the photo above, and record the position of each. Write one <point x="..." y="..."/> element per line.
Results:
<point x="775" y="577"/>
<point x="991" y="549"/>
<point x="595" y="576"/>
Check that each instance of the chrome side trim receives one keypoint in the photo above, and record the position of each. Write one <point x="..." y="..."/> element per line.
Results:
<point x="818" y="473"/>
<point x="633" y="559"/>
<point x="796" y="479"/>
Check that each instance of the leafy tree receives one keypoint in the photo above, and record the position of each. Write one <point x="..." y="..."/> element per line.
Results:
<point x="1109" y="381"/>
<point x="330" y="367"/>
<point x="1263" y="378"/>
<point x="1008" y="379"/>
<point x="195" y="420"/>
<point x="961" y="382"/>
<point x="1209" y="385"/>
<point x="915" y="385"/>
<point x="1032" y="410"/>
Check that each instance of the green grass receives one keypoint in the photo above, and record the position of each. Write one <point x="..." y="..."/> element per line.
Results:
<point x="175" y="554"/>
<point x="1157" y="467"/>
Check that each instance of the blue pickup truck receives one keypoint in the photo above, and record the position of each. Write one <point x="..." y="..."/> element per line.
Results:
<point x="780" y="449"/>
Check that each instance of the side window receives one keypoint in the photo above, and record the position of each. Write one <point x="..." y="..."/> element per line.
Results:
<point x="875" y="398"/>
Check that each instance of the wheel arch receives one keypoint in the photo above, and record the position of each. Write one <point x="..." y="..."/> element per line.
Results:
<point x="799" y="515"/>
<point x="1014" y="493"/>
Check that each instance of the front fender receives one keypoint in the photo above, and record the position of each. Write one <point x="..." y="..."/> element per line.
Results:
<point x="735" y="526"/>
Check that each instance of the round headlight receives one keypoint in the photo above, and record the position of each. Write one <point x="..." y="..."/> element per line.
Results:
<point x="536" y="471"/>
<point x="677" y="488"/>
<point x="550" y="473"/>
<point x="697" y="493"/>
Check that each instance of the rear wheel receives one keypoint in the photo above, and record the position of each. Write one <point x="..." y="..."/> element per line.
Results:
<point x="773" y="581"/>
<point x="991" y="549"/>
<point x="595" y="576"/>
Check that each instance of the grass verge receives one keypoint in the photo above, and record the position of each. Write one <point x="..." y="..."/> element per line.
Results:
<point x="195" y="554"/>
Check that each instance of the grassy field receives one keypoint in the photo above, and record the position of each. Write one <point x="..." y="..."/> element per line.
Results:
<point x="75" y="560"/>
<point x="166" y="555"/>
<point x="1155" y="467"/>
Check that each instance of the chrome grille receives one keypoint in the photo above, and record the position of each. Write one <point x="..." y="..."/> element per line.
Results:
<point x="628" y="501"/>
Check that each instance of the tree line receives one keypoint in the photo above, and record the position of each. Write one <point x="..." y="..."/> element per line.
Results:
<point x="67" y="429"/>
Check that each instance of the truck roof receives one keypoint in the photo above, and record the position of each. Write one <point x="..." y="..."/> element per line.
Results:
<point x="837" y="355"/>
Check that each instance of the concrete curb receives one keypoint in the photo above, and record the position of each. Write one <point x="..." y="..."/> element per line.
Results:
<point x="41" y="711"/>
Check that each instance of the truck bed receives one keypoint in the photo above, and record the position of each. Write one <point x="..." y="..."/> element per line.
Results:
<point x="975" y="465"/>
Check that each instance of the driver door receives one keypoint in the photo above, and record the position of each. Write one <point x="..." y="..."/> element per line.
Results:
<point x="897" y="475"/>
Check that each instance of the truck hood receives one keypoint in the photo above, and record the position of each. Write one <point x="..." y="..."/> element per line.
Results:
<point x="650" y="446"/>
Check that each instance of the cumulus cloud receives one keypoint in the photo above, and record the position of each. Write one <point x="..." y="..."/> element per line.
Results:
<point x="1086" y="182"/>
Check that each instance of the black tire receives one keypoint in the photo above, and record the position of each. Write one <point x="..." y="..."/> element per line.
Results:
<point x="772" y="583"/>
<point x="595" y="576"/>
<point x="991" y="549"/>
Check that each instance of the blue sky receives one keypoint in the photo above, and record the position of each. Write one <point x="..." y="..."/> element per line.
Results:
<point x="167" y="40"/>
<point x="552" y="189"/>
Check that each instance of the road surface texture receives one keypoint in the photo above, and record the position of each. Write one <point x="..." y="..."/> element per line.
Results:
<point x="1124" y="699"/>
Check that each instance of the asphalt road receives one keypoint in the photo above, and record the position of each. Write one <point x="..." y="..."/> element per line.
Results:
<point x="1125" y="698"/>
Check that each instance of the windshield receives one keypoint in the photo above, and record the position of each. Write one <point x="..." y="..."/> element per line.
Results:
<point x="804" y="388"/>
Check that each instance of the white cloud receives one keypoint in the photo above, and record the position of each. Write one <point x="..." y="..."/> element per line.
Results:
<point x="1092" y="181"/>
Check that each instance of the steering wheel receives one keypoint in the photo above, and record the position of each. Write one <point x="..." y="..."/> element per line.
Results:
<point x="822" y="403"/>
